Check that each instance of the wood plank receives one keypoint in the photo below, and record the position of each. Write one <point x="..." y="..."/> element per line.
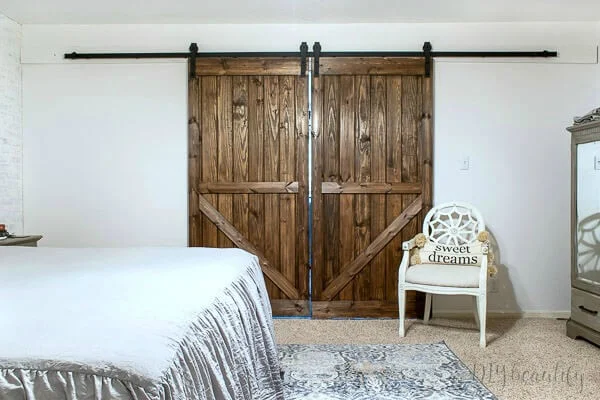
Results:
<point x="411" y="101"/>
<point x="317" y="273"/>
<point x="362" y="215"/>
<point x="371" y="66"/>
<point x="363" y="309"/>
<point x="256" y="209"/>
<point x="411" y="117"/>
<point x="194" y="162"/>
<point x="351" y="270"/>
<point x="427" y="145"/>
<point x="369" y="187"/>
<point x="248" y="66"/>
<point x="394" y="174"/>
<point x="302" y="135"/>
<point x="248" y="187"/>
<point x="208" y="140"/>
<point x="331" y="209"/>
<point x="287" y="171"/>
<point x="271" y="172"/>
<point x="240" y="151"/>
<point x="378" y="171"/>
<point x="290" y="308"/>
<point x="225" y="150"/>
<point x="347" y="177"/>
<point x="240" y="241"/>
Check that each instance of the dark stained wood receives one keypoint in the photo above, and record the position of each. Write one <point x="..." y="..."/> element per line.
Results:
<point x="225" y="150"/>
<point x="240" y="241"/>
<point x="371" y="66"/>
<point x="410" y="128"/>
<point x="249" y="187"/>
<point x="378" y="172"/>
<point x="330" y="160"/>
<point x="248" y="66"/>
<point x="248" y="167"/>
<point x="287" y="171"/>
<point x="394" y="176"/>
<point x="194" y="163"/>
<point x="292" y="308"/>
<point x="302" y="135"/>
<point x="367" y="187"/>
<point x="240" y="151"/>
<point x="318" y="269"/>
<point x="271" y="172"/>
<point x="347" y="177"/>
<point x="372" y="175"/>
<point x="427" y="148"/>
<point x="208" y="151"/>
<point x="360" y="262"/>
<point x="256" y="203"/>
<point x="362" y="209"/>
<point x="364" y="308"/>
<point x="383" y="188"/>
<point x="412" y="106"/>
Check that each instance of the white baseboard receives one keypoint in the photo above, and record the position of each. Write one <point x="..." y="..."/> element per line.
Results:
<point x="504" y="314"/>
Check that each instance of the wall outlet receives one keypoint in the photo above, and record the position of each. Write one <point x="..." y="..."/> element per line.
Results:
<point x="464" y="164"/>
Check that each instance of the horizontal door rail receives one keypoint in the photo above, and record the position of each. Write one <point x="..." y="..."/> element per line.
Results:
<point x="370" y="188"/>
<point x="292" y="187"/>
<point x="248" y="187"/>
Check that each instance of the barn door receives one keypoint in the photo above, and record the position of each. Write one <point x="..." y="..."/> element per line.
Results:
<point x="371" y="181"/>
<point x="248" y="168"/>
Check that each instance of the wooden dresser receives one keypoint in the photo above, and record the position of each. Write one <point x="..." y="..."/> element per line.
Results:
<point x="585" y="232"/>
<point x="29" y="241"/>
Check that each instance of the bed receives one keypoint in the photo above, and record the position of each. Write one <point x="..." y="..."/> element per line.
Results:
<point x="135" y="324"/>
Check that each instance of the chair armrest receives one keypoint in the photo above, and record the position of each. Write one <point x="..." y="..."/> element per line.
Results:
<point x="409" y="245"/>
<point x="404" y="264"/>
<point x="483" y="273"/>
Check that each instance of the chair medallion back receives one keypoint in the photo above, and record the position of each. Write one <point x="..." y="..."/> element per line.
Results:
<point x="453" y="223"/>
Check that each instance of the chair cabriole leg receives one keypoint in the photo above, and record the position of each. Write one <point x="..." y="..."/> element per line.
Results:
<point x="401" y="310"/>
<point x="481" y="307"/>
<point x="427" y="314"/>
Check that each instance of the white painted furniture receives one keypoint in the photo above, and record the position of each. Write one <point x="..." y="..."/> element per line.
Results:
<point x="456" y="224"/>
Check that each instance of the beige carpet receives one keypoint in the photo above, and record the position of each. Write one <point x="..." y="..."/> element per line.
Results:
<point x="525" y="358"/>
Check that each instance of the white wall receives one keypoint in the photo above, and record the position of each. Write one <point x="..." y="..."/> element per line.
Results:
<point x="106" y="154"/>
<point x="508" y="117"/>
<point x="11" y="134"/>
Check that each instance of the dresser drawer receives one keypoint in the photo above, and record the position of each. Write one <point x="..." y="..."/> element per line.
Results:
<point x="585" y="308"/>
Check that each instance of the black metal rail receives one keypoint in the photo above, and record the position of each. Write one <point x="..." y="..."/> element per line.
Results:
<point x="427" y="52"/>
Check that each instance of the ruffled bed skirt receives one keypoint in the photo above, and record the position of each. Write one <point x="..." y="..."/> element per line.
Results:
<point x="228" y="353"/>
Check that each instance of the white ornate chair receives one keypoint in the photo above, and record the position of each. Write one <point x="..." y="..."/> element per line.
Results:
<point x="449" y="224"/>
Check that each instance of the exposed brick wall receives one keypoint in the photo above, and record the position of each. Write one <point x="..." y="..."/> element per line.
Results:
<point x="11" y="135"/>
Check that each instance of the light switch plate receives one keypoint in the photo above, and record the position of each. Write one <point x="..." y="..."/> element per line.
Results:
<point x="464" y="163"/>
<point x="597" y="163"/>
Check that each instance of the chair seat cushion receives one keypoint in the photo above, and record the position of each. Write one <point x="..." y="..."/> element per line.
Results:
<point x="444" y="275"/>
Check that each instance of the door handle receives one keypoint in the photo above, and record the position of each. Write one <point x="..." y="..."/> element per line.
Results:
<point x="587" y="310"/>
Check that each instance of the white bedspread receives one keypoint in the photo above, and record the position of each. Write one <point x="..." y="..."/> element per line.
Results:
<point x="141" y="323"/>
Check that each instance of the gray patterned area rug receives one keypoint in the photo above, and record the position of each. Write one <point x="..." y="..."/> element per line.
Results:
<point x="377" y="372"/>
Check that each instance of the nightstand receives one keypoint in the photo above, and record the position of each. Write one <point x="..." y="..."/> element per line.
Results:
<point x="29" y="241"/>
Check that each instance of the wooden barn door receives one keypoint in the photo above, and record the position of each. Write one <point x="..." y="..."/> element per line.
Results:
<point x="371" y="181"/>
<point x="248" y="168"/>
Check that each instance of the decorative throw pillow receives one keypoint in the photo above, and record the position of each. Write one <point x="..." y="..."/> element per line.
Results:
<point x="468" y="254"/>
<point x="426" y="252"/>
